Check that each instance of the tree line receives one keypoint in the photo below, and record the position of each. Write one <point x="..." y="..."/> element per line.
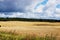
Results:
<point x="27" y="19"/>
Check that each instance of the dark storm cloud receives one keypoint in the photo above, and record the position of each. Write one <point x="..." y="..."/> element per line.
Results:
<point x="14" y="5"/>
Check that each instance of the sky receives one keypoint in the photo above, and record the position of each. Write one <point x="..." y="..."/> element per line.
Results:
<point x="38" y="9"/>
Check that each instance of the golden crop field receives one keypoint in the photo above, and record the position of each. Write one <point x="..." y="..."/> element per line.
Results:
<point x="22" y="27"/>
<point x="24" y="23"/>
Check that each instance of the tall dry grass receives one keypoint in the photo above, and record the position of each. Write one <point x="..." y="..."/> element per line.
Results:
<point x="11" y="36"/>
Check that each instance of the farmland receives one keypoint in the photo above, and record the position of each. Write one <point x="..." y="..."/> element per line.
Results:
<point x="30" y="28"/>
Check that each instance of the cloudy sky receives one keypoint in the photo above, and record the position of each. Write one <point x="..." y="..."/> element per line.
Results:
<point x="39" y="9"/>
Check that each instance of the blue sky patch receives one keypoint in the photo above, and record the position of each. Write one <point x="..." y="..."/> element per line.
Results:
<point x="41" y="3"/>
<point x="44" y="2"/>
<point x="58" y="6"/>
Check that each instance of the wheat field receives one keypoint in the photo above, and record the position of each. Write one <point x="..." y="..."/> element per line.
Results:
<point x="23" y="27"/>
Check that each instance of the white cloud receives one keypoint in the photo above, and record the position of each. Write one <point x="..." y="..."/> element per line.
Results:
<point x="39" y="9"/>
<point x="2" y="15"/>
<point x="57" y="10"/>
<point x="50" y="11"/>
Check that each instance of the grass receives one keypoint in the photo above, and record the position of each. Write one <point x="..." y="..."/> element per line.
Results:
<point x="7" y="36"/>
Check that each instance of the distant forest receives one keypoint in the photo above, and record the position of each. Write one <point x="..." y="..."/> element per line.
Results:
<point x="27" y="19"/>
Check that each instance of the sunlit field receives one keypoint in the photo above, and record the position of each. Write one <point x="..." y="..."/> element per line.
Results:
<point x="28" y="24"/>
<point x="23" y="28"/>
